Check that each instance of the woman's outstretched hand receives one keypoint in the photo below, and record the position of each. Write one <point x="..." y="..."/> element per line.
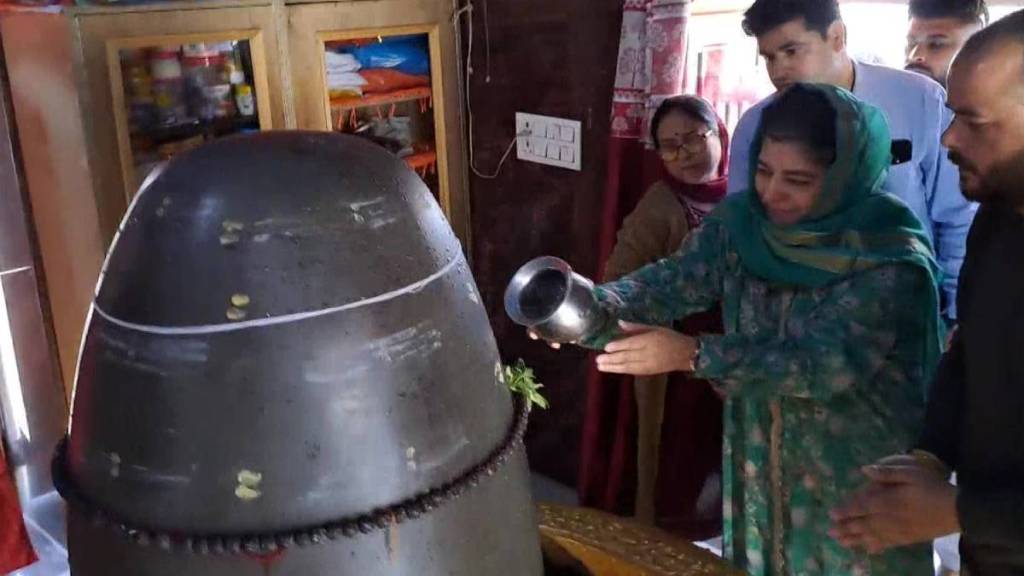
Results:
<point x="647" y="350"/>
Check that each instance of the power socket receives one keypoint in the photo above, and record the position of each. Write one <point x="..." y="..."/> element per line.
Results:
<point x="550" y="141"/>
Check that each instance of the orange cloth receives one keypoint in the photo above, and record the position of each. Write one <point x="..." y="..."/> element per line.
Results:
<point x="15" y="548"/>
<point x="379" y="80"/>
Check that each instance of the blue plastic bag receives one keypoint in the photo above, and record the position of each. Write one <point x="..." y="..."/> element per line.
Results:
<point x="406" y="54"/>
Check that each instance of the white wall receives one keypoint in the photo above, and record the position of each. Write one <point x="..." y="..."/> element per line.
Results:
<point x="877" y="30"/>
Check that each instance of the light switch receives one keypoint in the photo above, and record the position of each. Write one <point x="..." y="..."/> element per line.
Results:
<point x="567" y="154"/>
<point x="548" y="140"/>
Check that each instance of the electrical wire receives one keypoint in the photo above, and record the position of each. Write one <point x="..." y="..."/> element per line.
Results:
<point x="468" y="9"/>
<point x="487" y="44"/>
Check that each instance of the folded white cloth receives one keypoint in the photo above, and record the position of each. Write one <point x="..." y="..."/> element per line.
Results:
<point x="344" y="79"/>
<point x="341" y="62"/>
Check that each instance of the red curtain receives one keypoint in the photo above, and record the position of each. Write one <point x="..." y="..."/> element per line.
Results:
<point x="15" y="549"/>
<point x="650" y="68"/>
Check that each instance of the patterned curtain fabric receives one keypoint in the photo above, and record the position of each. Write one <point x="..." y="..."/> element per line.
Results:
<point x="651" y="65"/>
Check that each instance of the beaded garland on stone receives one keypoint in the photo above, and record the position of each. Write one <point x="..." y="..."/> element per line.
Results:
<point x="269" y="543"/>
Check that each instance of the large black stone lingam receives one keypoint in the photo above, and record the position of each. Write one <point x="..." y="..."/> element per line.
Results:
<point x="287" y="370"/>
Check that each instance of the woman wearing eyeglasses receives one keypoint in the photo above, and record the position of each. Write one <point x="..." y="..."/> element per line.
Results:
<point x="679" y="419"/>
<point x="693" y="145"/>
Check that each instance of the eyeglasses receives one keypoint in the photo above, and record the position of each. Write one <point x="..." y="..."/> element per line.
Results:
<point x="690" y="143"/>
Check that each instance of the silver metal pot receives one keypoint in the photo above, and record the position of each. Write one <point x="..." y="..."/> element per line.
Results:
<point x="557" y="304"/>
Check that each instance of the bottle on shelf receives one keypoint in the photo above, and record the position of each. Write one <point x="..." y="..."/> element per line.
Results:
<point x="168" y="86"/>
<point x="138" y="88"/>
<point x="209" y="89"/>
<point x="245" y="101"/>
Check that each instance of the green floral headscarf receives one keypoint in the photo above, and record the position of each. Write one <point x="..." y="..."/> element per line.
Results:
<point x="854" y="225"/>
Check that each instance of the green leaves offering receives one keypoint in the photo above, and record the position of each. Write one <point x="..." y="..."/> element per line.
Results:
<point x="521" y="380"/>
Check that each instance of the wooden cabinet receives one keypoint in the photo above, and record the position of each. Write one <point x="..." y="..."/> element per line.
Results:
<point x="104" y="38"/>
<point x="88" y="139"/>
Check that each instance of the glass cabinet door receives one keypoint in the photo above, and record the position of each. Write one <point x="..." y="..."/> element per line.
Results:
<point x="381" y="86"/>
<point x="172" y="94"/>
<point x="387" y="71"/>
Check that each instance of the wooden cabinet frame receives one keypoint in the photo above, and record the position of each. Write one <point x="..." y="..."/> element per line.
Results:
<point x="69" y="104"/>
<point x="114" y="46"/>
<point x="99" y="33"/>
<point x="436" y="88"/>
<point x="310" y="25"/>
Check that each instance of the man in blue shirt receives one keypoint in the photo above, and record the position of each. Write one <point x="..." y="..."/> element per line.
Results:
<point x="805" y="41"/>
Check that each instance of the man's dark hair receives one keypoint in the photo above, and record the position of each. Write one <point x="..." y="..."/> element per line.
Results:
<point x="966" y="11"/>
<point x="763" y="16"/>
<point x="694" y="107"/>
<point x="1010" y="28"/>
<point x="802" y="115"/>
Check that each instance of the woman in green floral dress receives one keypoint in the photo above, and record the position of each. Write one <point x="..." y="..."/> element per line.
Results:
<point x="829" y="291"/>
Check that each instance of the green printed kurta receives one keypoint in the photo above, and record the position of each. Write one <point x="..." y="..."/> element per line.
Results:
<point x="818" y="382"/>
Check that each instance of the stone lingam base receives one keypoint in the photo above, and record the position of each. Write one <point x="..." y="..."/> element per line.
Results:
<point x="583" y="542"/>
